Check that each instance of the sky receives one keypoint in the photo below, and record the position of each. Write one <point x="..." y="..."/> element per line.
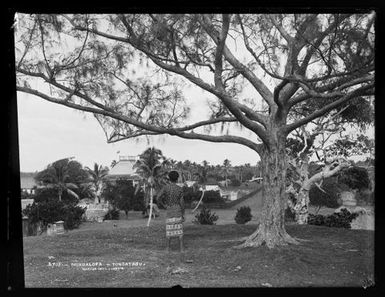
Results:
<point x="48" y="132"/>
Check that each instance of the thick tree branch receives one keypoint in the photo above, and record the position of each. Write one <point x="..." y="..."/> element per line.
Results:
<point x="314" y="46"/>
<point x="219" y="52"/>
<point x="152" y="130"/>
<point x="336" y="86"/>
<point x="328" y="171"/>
<point x="363" y="90"/>
<point x="289" y="39"/>
<point x="261" y="88"/>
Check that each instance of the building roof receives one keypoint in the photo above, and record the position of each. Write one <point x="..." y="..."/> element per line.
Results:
<point x="124" y="168"/>
<point x="27" y="180"/>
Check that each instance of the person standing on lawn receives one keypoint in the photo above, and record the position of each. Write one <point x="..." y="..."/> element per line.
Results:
<point x="171" y="197"/>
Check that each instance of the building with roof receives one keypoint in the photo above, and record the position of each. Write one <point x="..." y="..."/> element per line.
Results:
<point x="124" y="169"/>
<point x="27" y="182"/>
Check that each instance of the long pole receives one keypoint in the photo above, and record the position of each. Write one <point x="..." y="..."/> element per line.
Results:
<point x="203" y="193"/>
<point x="150" y="215"/>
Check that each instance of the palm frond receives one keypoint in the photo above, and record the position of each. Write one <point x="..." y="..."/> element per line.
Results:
<point x="71" y="186"/>
<point x="72" y="193"/>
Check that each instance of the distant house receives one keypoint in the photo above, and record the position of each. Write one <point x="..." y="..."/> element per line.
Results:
<point x="25" y="203"/>
<point x="230" y="195"/>
<point x="123" y="169"/>
<point x="212" y="188"/>
<point x="27" y="182"/>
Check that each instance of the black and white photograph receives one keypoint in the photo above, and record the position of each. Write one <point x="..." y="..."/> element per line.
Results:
<point x="196" y="150"/>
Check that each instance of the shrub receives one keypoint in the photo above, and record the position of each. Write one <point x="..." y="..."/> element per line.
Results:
<point x="329" y="198"/>
<point x="243" y="215"/>
<point x="205" y="217"/>
<point x="48" y="212"/>
<point x="73" y="217"/>
<point x="341" y="219"/>
<point x="355" y="177"/>
<point x="112" y="214"/>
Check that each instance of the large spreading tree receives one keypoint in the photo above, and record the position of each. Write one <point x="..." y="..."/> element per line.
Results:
<point x="130" y="71"/>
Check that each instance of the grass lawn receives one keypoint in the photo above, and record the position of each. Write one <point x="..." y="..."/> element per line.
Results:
<point x="330" y="257"/>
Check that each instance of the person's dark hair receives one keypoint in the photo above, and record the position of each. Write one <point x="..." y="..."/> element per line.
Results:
<point x="173" y="176"/>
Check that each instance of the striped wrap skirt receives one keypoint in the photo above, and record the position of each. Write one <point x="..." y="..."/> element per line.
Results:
<point x="174" y="227"/>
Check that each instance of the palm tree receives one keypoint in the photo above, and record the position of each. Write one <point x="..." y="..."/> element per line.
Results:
<point x="150" y="167"/>
<point x="226" y="170"/>
<point x="171" y="163"/>
<point x="205" y="164"/>
<point x="56" y="176"/>
<point x="241" y="169"/>
<point x="96" y="178"/>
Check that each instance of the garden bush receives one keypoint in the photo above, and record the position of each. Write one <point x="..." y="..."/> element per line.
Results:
<point x="73" y="217"/>
<point x="355" y="178"/>
<point x="329" y="198"/>
<point x="340" y="219"/>
<point x="205" y="217"/>
<point x="112" y="214"/>
<point x="48" y="212"/>
<point x="243" y="215"/>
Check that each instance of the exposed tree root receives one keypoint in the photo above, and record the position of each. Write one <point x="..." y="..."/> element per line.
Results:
<point x="271" y="239"/>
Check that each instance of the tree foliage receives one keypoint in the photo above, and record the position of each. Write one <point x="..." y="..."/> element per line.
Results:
<point x="51" y="211"/>
<point x="327" y="196"/>
<point x="122" y="195"/>
<point x="355" y="177"/>
<point x="96" y="175"/>
<point x="63" y="176"/>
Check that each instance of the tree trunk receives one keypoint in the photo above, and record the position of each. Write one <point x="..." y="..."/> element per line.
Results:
<point x="301" y="208"/>
<point x="150" y="214"/>
<point x="200" y="200"/>
<point x="271" y="230"/>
